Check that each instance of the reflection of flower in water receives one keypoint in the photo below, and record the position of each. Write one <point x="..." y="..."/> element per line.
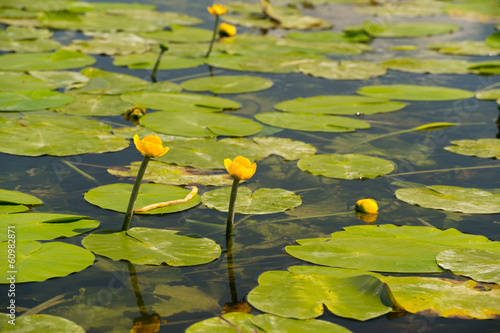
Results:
<point x="368" y="218"/>
<point x="237" y="307"/>
<point x="146" y="324"/>
<point x="134" y="113"/>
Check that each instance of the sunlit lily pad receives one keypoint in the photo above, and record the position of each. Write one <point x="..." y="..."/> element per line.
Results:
<point x="24" y="33"/>
<point x="349" y="166"/>
<point x="41" y="226"/>
<point x="200" y="124"/>
<point x="116" y="197"/>
<point x="343" y="69"/>
<point x="324" y="36"/>
<point x="300" y="296"/>
<point x="445" y="298"/>
<point x="162" y="18"/>
<point x="477" y="264"/>
<point x="432" y="66"/>
<point x="95" y="105"/>
<point x="62" y="59"/>
<point x="466" y="48"/>
<point x="233" y="84"/>
<point x="493" y="40"/>
<point x="111" y="45"/>
<point x="386" y="248"/>
<point x="180" y="34"/>
<point x="38" y="262"/>
<point x="14" y="201"/>
<point x="452" y="198"/>
<point x="13" y="81"/>
<point x="340" y="105"/>
<point x="57" y="135"/>
<point x="486" y="67"/>
<point x="408" y="29"/>
<point x="60" y="78"/>
<point x="485" y="148"/>
<point x="148" y="246"/>
<point x="148" y="61"/>
<point x="478" y="10"/>
<point x="291" y="18"/>
<point x="410" y="92"/>
<point x="488" y="93"/>
<point x="311" y="122"/>
<point x="250" y="21"/>
<point x="266" y="63"/>
<point x="39" y="323"/>
<point x="163" y="173"/>
<point x="180" y="101"/>
<point x="261" y="201"/>
<point x="32" y="100"/>
<point x="403" y="9"/>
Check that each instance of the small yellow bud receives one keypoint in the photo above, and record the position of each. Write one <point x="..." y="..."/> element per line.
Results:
<point x="367" y="206"/>
<point x="227" y="30"/>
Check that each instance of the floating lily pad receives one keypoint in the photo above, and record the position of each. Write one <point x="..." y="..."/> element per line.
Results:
<point x="324" y="36"/>
<point x="24" y="46"/>
<point x="349" y="166"/>
<point x="41" y="226"/>
<point x="410" y="92"/>
<point x="445" y="298"/>
<point x="13" y="81"/>
<point x="14" y="201"/>
<point x="163" y="173"/>
<point x="57" y="135"/>
<point x="493" y="40"/>
<point x="95" y="105"/>
<point x="233" y="84"/>
<point x="32" y="100"/>
<point x="62" y="79"/>
<point x="479" y="10"/>
<point x="180" y="101"/>
<point x="403" y="9"/>
<point x="300" y="296"/>
<point x="290" y="18"/>
<point x="111" y="45"/>
<point x="116" y="197"/>
<point x="180" y="34"/>
<point x="225" y="323"/>
<point x="431" y="66"/>
<point x="251" y="22"/>
<point x="479" y="265"/>
<point x="451" y="198"/>
<point x="39" y="323"/>
<point x="261" y="201"/>
<point x="266" y="63"/>
<point x="485" y="148"/>
<point x="343" y="69"/>
<point x="488" y="93"/>
<point x="161" y="18"/>
<point x="148" y="246"/>
<point x="148" y="61"/>
<point x="466" y="48"/>
<point x="486" y="67"/>
<point x="199" y="124"/>
<point x="386" y="248"/>
<point x="38" y="262"/>
<point x="311" y="122"/>
<point x="408" y="29"/>
<point x="61" y="59"/>
<point x="24" y="33"/>
<point x="340" y="105"/>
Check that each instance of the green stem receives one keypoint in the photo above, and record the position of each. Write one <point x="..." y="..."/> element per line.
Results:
<point x="213" y="36"/>
<point x="135" y="192"/>
<point x="230" y="212"/>
<point x="163" y="48"/>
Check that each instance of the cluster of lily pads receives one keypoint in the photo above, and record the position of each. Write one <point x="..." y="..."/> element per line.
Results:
<point x="45" y="105"/>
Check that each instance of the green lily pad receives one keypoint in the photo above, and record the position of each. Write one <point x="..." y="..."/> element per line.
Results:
<point x="82" y="7"/>
<point x="95" y="105"/>
<point x="62" y="79"/>
<point x="493" y="40"/>
<point x="24" y="33"/>
<point x="265" y="63"/>
<point x="148" y="246"/>
<point x="343" y="69"/>
<point x="180" y="34"/>
<point x="488" y="93"/>
<point x="323" y="36"/>
<point x="199" y="124"/>
<point x="340" y="105"/>
<point x="484" y="148"/>
<point x="162" y="173"/>
<point x="25" y="46"/>
<point x="261" y="201"/>
<point x="225" y="323"/>
<point x="233" y="84"/>
<point x="38" y="262"/>
<point x="410" y="92"/>
<point x="451" y="198"/>
<point x="112" y="44"/>
<point x="32" y="100"/>
<point x="290" y="18"/>
<point x="161" y="18"/>
<point x="41" y="226"/>
<point x="408" y="29"/>
<point x="477" y="264"/>
<point x="180" y="101"/>
<point x="148" y="61"/>
<point x="431" y="66"/>
<point x="14" y="201"/>
<point x="480" y="10"/>
<point x="39" y="323"/>
<point x="57" y="135"/>
<point x="331" y="271"/>
<point x="300" y="296"/>
<point x="13" y="81"/>
<point x="61" y="59"/>
<point x="486" y="67"/>
<point x="403" y="9"/>
<point x="250" y="22"/>
<point x="445" y="298"/>
<point x="386" y="248"/>
<point x="349" y="166"/>
<point x="311" y="122"/>
<point x="116" y="197"/>
<point x="466" y="48"/>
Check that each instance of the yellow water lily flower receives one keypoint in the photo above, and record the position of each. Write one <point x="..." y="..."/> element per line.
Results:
<point x="150" y="146"/>
<point x="227" y="30"/>
<point x="367" y="206"/>
<point x="217" y="10"/>
<point x="240" y="168"/>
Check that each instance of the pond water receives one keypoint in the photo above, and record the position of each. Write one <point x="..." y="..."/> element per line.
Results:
<point x="102" y="298"/>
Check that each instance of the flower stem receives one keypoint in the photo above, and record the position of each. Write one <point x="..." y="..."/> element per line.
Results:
<point x="163" y="48"/>
<point x="213" y="36"/>
<point x="230" y="212"/>
<point x="135" y="192"/>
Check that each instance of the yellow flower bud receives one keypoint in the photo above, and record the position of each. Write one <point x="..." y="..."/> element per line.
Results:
<point x="150" y="146"/>
<point x="368" y="206"/>
<point x="240" y="168"/>
<point x="227" y="30"/>
<point x="217" y="10"/>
